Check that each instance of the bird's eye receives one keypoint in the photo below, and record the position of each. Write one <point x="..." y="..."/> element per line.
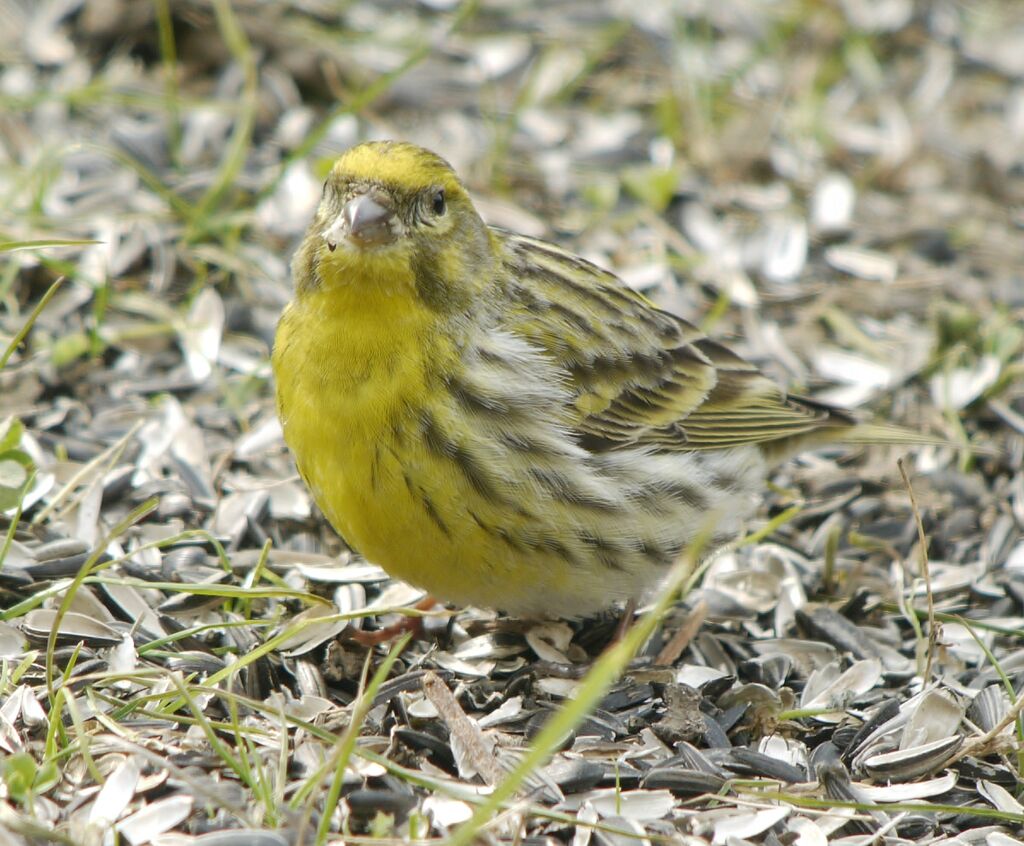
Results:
<point x="437" y="202"/>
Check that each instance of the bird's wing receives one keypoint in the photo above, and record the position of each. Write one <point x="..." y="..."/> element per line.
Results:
<point x="638" y="375"/>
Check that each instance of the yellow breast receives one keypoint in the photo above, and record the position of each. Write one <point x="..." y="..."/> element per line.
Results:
<point x="414" y="482"/>
<point x="352" y="382"/>
<point x="342" y="384"/>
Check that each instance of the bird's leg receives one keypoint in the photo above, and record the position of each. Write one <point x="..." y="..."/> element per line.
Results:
<point x="625" y="622"/>
<point x="413" y="625"/>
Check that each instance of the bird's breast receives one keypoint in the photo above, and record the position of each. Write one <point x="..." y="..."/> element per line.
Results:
<point x="351" y="387"/>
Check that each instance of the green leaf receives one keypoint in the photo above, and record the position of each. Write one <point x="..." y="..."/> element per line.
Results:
<point x="15" y="472"/>
<point x="47" y="777"/>
<point x="19" y="774"/>
<point x="10" y="434"/>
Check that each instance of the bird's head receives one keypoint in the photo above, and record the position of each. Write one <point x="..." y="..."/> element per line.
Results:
<point x="395" y="215"/>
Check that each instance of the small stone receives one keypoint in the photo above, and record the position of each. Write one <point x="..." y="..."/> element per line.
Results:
<point x="682" y="720"/>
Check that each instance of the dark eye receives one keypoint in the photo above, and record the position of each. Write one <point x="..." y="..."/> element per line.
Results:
<point x="437" y="202"/>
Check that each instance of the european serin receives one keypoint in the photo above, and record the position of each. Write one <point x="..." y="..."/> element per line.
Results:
<point x="499" y="421"/>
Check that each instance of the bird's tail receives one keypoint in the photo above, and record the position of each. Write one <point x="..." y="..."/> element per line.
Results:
<point x="839" y="426"/>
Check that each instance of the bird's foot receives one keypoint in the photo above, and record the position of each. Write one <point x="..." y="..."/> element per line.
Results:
<point x="625" y="622"/>
<point x="412" y="625"/>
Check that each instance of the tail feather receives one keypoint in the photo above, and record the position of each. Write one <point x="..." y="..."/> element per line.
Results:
<point x="837" y="425"/>
<point x="884" y="433"/>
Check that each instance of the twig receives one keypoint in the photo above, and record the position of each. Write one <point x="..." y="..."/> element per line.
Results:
<point x="671" y="651"/>
<point x="465" y="734"/>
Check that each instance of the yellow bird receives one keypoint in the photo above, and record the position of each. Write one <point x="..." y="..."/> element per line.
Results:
<point x="501" y="422"/>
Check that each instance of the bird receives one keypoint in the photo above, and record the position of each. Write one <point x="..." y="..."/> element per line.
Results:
<point x="502" y="423"/>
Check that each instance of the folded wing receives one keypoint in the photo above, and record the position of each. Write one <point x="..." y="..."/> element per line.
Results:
<point x="640" y="376"/>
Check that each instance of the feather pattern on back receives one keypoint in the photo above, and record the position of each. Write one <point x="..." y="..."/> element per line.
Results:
<point x="655" y="380"/>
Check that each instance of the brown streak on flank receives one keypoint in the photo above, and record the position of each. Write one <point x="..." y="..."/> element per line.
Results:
<point x="409" y="486"/>
<point x="555" y="546"/>
<point x="608" y="561"/>
<point x="477" y="477"/>
<point x="428" y="506"/>
<point x="686" y="494"/>
<point x="398" y="428"/>
<point x="435" y="439"/>
<point x="656" y="554"/>
<point x="561" y="489"/>
<point x="649" y="493"/>
<point x="477" y="403"/>
<point x="491" y="357"/>
<point x="374" y="468"/>
<point x="434" y="380"/>
<point x="727" y="481"/>
<point x="597" y="542"/>
<point x="506" y="536"/>
<point x="444" y="447"/>
<point x="495" y="531"/>
<point x="518" y="443"/>
<point x="602" y="548"/>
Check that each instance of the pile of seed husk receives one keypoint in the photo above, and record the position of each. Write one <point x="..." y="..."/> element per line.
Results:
<point x="836" y="190"/>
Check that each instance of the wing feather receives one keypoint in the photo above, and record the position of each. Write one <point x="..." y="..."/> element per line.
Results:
<point x="638" y="375"/>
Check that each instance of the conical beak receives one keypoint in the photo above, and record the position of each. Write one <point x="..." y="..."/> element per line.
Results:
<point x="365" y="220"/>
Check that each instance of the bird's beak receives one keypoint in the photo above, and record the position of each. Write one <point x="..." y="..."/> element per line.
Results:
<point x="365" y="220"/>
